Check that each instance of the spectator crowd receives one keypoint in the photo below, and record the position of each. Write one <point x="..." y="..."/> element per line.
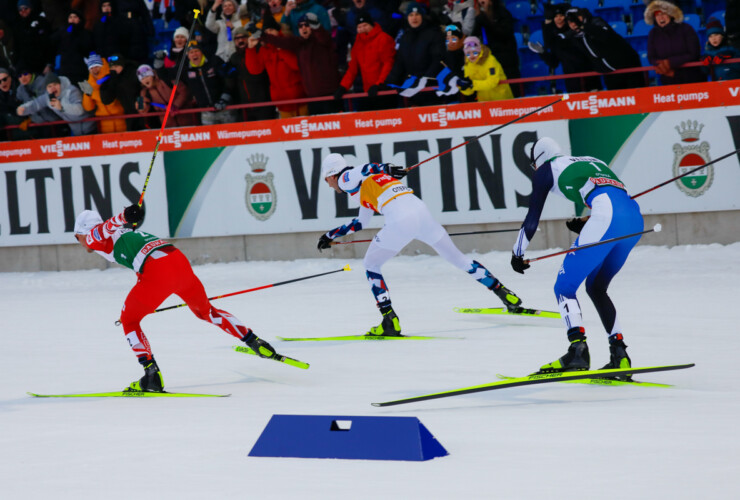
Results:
<point x="118" y="60"/>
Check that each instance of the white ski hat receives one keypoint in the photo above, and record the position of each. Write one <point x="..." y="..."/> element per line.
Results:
<point x="332" y="165"/>
<point x="87" y="220"/>
<point x="544" y="150"/>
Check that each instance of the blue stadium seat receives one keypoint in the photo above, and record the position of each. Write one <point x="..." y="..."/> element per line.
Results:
<point x="536" y="69"/>
<point x="519" y="39"/>
<point x="559" y="84"/>
<point x="158" y="25"/>
<point x="693" y="20"/>
<point x="641" y="28"/>
<point x="536" y="36"/>
<point x="591" y="5"/>
<point x="534" y="22"/>
<point x="620" y="27"/>
<point x="526" y="56"/>
<point x="613" y="10"/>
<point x="639" y="37"/>
<point x="720" y="14"/>
<point x="651" y="74"/>
<point x="713" y="5"/>
<point x="520" y="10"/>
<point x="637" y="12"/>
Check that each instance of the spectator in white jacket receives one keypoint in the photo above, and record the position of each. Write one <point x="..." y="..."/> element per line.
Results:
<point x="223" y="25"/>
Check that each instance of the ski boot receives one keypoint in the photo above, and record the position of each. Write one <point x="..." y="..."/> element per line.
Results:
<point x="577" y="357"/>
<point x="510" y="300"/>
<point x="390" y="327"/>
<point x="619" y="357"/>
<point x="152" y="380"/>
<point x="261" y="347"/>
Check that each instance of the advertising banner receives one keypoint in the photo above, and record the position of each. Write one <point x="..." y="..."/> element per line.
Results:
<point x="264" y="177"/>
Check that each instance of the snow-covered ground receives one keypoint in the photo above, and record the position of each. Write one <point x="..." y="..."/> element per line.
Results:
<point x="676" y="305"/>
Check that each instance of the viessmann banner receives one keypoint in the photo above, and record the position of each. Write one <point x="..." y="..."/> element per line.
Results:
<point x="264" y="177"/>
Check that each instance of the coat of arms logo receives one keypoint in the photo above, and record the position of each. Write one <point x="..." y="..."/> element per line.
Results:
<point x="260" y="197"/>
<point x="689" y="154"/>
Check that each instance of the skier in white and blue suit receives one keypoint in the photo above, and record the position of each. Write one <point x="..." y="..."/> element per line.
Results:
<point x="613" y="213"/>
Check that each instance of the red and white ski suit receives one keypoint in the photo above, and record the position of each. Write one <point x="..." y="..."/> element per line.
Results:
<point x="165" y="271"/>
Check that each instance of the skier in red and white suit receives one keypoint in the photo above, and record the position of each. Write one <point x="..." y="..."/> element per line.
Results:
<point x="162" y="270"/>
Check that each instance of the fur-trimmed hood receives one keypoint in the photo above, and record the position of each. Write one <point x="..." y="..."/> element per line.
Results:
<point x="669" y="8"/>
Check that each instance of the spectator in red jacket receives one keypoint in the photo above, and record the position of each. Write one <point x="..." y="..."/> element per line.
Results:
<point x="317" y="60"/>
<point x="372" y="56"/>
<point x="282" y="69"/>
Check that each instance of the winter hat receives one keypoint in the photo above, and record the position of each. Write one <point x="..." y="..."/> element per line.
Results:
<point x="544" y="150"/>
<point x="51" y="78"/>
<point x="454" y="30"/>
<point x="665" y="6"/>
<point x="415" y="7"/>
<point x="93" y="61"/>
<point x="24" y="3"/>
<point x="714" y="27"/>
<point x="560" y="8"/>
<point x="87" y="220"/>
<point x="311" y="19"/>
<point x="332" y="165"/>
<point x="194" y="45"/>
<point x="143" y="71"/>
<point x="471" y="44"/>
<point x="269" y="22"/>
<point x="241" y="31"/>
<point x="182" y="30"/>
<point x="364" y="17"/>
<point x="116" y="60"/>
<point x="4" y="71"/>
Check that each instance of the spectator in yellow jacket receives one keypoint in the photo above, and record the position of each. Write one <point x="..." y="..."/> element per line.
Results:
<point x="91" y="100"/>
<point x="483" y="73"/>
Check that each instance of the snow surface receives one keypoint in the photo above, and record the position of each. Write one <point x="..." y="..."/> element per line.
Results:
<point x="677" y="305"/>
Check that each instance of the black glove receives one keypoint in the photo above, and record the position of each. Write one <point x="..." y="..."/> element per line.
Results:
<point x="324" y="242"/>
<point x="518" y="264"/>
<point x="133" y="214"/>
<point x="261" y="347"/>
<point x="339" y="92"/>
<point x="464" y="83"/>
<point x="395" y="171"/>
<point x="576" y="224"/>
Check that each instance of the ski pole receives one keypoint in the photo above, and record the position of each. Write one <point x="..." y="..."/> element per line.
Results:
<point x="169" y="106"/>
<point x="656" y="228"/>
<point x="564" y="97"/>
<point x="451" y="234"/>
<point x="345" y="268"/>
<point x="687" y="173"/>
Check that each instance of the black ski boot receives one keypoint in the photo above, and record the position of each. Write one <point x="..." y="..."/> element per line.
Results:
<point x="577" y="357"/>
<point x="618" y="357"/>
<point x="261" y="347"/>
<point x="152" y="380"/>
<point x="390" y="327"/>
<point x="509" y="298"/>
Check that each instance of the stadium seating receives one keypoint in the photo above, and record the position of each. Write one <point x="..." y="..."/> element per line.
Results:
<point x="620" y="27"/>
<point x="637" y="12"/>
<point x="591" y="5"/>
<point x="639" y="37"/>
<point x="720" y="14"/>
<point x="533" y="69"/>
<point x="613" y="10"/>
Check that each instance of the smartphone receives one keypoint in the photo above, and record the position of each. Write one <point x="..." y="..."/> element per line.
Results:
<point x="140" y="102"/>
